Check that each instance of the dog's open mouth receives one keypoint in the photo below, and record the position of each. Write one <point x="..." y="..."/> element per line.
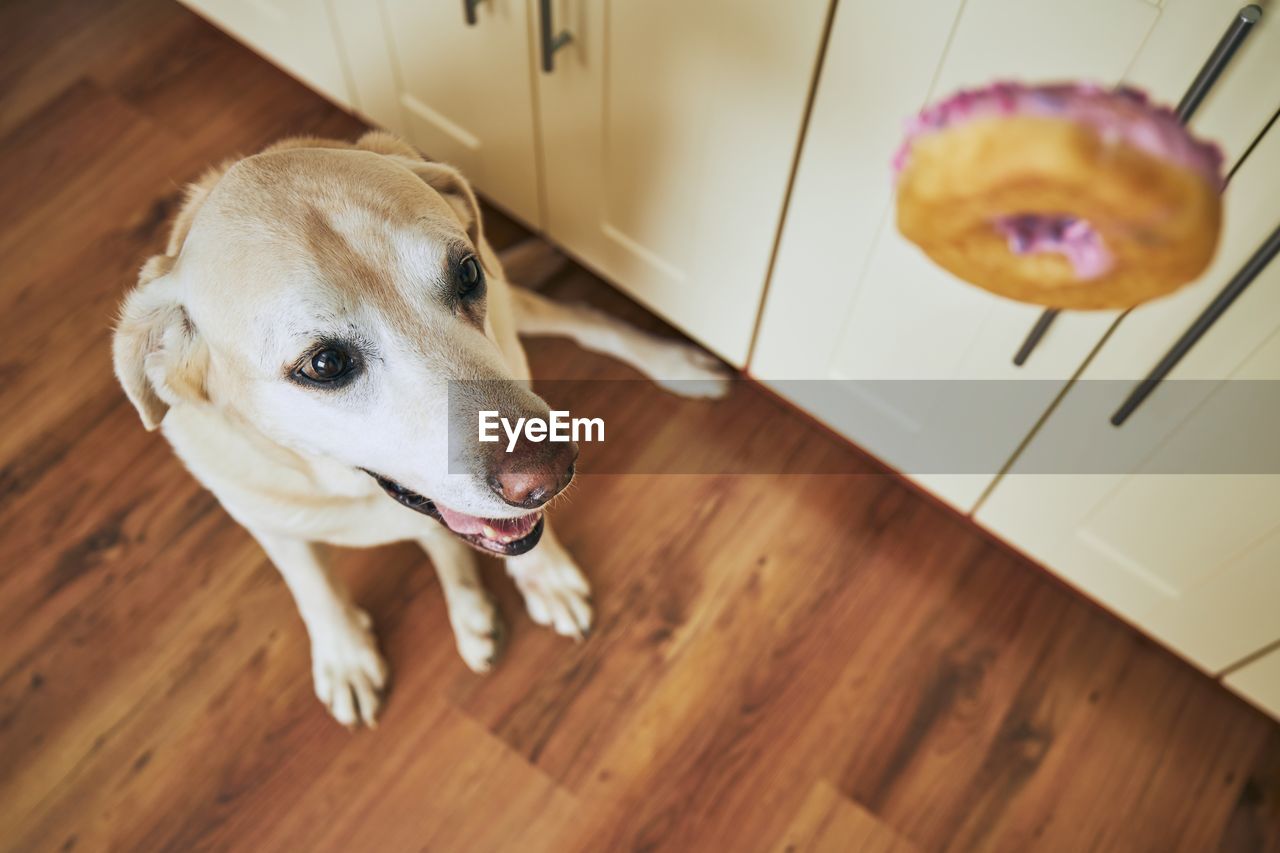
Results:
<point x="505" y="537"/>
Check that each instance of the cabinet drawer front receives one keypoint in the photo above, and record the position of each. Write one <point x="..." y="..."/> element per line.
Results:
<point x="464" y="93"/>
<point x="669" y="130"/>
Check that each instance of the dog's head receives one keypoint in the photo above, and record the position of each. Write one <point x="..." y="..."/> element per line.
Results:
<point x="333" y="298"/>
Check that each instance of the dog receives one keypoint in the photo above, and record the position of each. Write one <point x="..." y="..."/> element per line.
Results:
<point x="296" y="344"/>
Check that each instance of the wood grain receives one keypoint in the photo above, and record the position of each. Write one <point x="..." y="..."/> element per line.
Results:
<point x="782" y="662"/>
<point x="830" y="822"/>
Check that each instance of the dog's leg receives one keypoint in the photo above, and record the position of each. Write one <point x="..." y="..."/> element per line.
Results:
<point x="555" y="592"/>
<point x="477" y="624"/>
<point x="348" y="671"/>
<point x="679" y="367"/>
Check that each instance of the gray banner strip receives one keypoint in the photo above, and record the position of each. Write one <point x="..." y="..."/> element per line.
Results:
<point x="916" y="426"/>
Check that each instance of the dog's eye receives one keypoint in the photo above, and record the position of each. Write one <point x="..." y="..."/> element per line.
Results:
<point x="470" y="276"/>
<point x="327" y="365"/>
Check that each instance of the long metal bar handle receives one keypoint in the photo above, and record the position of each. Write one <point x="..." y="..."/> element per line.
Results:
<point x="469" y="11"/>
<point x="1209" y="73"/>
<point x="1043" y="322"/>
<point x="551" y="40"/>
<point x="1215" y="309"/>
<point x="1217" y="62"/>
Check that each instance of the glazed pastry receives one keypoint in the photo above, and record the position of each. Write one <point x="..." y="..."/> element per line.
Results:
<point x="1069" y="196"/>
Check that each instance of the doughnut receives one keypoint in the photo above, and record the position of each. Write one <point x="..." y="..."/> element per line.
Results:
<point x="1063" y="195"/>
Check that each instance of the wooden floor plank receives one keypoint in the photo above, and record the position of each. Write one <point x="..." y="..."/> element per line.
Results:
<point x="786" y="662"/>
<point x="829" y="823"/>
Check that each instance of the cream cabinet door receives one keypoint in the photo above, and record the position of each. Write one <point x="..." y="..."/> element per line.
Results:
<point x="1193" y="556"/>
<point x="461" y="93"/>
<point x="297" y="35"/>
<point x="1259" y="682"/>
<point x="669" y="129"/>
<point x="851" y="300"/>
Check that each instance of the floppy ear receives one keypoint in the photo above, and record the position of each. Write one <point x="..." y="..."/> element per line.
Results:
<point x="159" y="356"/>
<point x="454" y="189"/>
<point x="441" y="177"/>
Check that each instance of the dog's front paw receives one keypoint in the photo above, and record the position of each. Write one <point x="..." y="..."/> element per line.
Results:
<point x="348" y="671"/>
<point x="478" y="629"/>
<point x="688" y="371"/>
<point x="556" y="595"/>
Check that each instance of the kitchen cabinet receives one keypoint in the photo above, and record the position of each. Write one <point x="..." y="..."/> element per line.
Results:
<point x="1156" y="529"/>
<point x="657" y="150"/>
<point x="297" y="35"/>
<point x="850" y="299"/>
<point x="462" y="92"/>
<point x="669" y="130"/>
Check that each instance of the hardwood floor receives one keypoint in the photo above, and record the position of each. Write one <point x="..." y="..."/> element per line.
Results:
<point x="781" y="662"/>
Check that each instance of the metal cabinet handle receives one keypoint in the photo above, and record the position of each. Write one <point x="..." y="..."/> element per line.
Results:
<point x="1033" y="337"/>
<point x="551" y="42"/>
<point x="1257" y="262"/>
<point x="1209" y="73"/>
<point x="1213" y="67"/>
<point x="469" y="11"/>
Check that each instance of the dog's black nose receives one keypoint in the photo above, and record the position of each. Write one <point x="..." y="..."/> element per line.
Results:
<point x="528" y="480"/>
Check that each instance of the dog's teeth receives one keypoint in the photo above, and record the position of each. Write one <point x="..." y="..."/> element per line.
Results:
<point x="490" y="532"/>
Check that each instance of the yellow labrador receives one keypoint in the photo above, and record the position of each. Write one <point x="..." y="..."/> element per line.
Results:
<point x="296" y="344"/>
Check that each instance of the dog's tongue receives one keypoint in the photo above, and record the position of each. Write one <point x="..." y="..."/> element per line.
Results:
<point x="460" y="522"/>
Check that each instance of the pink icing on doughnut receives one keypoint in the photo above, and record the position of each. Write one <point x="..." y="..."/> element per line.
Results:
<point x="1117" y="115"/>
<point x="1121" y="115"/>
<point x="1073" y="238"/>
